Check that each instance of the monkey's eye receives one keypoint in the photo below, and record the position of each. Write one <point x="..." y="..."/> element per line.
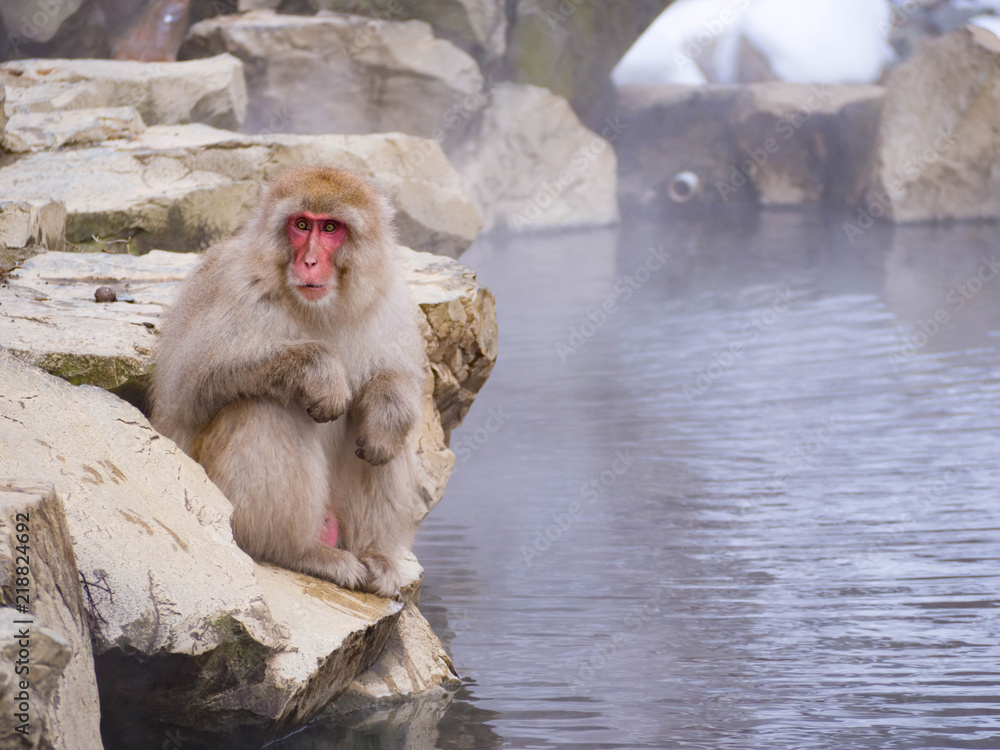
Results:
<point x="302" y="225"/>
<point x="330" y="226"/>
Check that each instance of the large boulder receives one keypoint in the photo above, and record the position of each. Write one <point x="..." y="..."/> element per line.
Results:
<point x="337" y="73"/>
<point x="43" y="625"/>
<point x="207" y="91"/>
<point x="938" y="151"/>
<point x="182" y="188"/>
<point x="533" y="165"/>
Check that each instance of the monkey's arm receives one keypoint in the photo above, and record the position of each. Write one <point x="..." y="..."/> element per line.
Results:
<point x="308" y="372"/>
<point x="386" y="408"/>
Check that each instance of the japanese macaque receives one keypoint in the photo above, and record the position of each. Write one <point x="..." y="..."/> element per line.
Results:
<point x="290" y="366"/>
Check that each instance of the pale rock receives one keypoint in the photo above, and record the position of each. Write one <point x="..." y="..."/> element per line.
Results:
<point x="413" y="663"/>
<point x="37" y="131"/>
<point x="211" y="91"/>
<point x="335" y="73"/>
<point x="533" y="165"/>
<point x="938" y="148"/>
<point x="184" y="187"/>
<point x="29" y="226"/>
<point x="64" y="708"/>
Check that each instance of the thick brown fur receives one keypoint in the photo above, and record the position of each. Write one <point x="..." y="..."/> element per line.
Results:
<point x="295" y="408"/>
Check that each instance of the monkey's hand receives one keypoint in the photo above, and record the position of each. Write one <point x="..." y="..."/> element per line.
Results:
<point x="385" y="577"/>
<point x="323" y="388"/>
<point x="383" y="417"/>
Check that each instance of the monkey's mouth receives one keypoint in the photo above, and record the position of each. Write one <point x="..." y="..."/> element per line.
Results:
<point x="313" y="292"/>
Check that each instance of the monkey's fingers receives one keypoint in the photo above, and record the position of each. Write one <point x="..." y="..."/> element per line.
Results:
<point x="385" y="577"/>
<point x="372" y="455"/>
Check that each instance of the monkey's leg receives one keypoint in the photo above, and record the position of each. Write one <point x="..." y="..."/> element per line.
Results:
<point x="269" y="460"/>
<point x="376" y="508"/>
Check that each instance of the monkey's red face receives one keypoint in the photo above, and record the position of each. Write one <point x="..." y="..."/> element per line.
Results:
<point x="315" y="239"/>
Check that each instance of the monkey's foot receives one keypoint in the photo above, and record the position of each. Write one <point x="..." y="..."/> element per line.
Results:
<point x="385" y="577"/>
<point x="337" y="565"/>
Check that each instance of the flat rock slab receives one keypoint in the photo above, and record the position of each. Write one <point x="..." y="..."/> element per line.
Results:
<point x="182" y="188"/>
<point x="38" y="131"/>
<point x="211" y="91"/>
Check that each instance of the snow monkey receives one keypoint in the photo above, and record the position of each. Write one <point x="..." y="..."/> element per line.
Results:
<point x="291" y="367"/>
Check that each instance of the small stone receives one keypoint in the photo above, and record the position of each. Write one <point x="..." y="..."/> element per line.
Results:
<point x="105" y="294"/>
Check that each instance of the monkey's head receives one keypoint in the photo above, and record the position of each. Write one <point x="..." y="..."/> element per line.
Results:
<point x="330" y="224"/>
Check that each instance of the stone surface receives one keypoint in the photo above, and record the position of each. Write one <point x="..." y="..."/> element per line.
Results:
<point x="49" y="318"/>
<point x="938" y="151"/>
<point x="336" y="73"/>
<point x="772" y="143"/>
<point x="533" y="165"/>
<point x="28" y="227"/>
<point x="461" y="333"/>
<point x="413" y="663"/>
<point x="184" y="187"/>
<point x="64" y="707"/>
<point x="209" y="91"/>
<point x="809" y="143"/>
<point x="36" y="131"/>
